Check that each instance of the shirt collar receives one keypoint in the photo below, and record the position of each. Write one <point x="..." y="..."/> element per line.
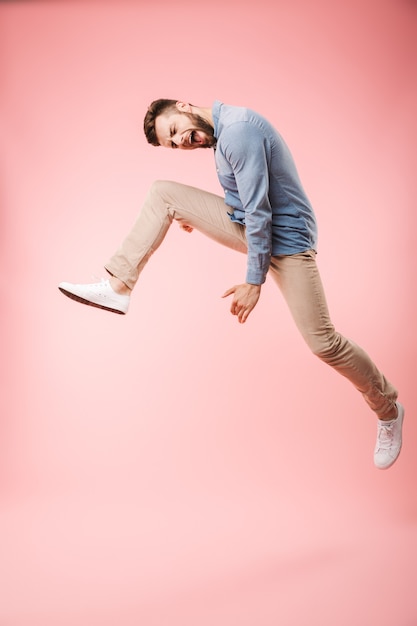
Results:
<point x="215" y="111"/>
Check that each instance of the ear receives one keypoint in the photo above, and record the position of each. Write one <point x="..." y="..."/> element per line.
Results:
<point x="183" y="107"/>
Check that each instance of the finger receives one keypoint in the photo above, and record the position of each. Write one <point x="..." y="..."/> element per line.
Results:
<point x="235" y="307"/>
<point x="244" y="314"/>
<point x="229" y="292"/>
<point x="239" y="309"/>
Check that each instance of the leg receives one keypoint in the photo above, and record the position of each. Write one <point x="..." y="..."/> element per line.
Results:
<point x="165" y="202"/>
<point x="299" y="280"/>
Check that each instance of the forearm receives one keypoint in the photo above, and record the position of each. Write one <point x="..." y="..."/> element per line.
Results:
<point x="259" y="250"/>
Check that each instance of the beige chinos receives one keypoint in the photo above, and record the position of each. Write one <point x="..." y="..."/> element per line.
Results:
<point x="296" y="275"/>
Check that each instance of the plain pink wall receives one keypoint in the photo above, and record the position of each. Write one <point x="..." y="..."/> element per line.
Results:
<point x="143" y="480"/>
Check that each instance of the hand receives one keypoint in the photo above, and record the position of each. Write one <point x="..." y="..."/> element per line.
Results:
<point x="244" y="300"/>
<point x="188" y="229"/>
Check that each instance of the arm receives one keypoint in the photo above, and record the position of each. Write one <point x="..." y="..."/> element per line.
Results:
<point x="247" y="155"/>
<point x="247" y="152"/>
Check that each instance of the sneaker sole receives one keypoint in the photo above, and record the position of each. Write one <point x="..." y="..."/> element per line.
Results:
<point x="88" y="303"/>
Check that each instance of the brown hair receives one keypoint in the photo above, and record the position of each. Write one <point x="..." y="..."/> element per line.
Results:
<point x="156" y="108"/>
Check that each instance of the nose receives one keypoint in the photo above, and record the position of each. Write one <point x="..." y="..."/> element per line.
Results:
<point x="177" y="139"/>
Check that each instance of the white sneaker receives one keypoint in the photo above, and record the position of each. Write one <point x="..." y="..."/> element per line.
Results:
<point x="389" y="440"/>
<point x="100" y="295"/>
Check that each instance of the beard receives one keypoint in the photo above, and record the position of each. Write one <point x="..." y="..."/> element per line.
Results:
<point x="206" y="128"/>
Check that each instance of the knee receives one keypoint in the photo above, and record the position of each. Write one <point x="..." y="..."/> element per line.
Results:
<point x="326" y="346"/>
<point x="159" y="187"/>
<point x="165" y="193"/>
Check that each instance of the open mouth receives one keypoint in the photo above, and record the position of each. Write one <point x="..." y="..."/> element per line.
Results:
<point x="194" y="140"/>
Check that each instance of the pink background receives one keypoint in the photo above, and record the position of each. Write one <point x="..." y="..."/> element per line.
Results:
<point x="142" y="479"/>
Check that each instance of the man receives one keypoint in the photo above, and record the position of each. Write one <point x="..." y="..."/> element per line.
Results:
<point x="265" y="214"/>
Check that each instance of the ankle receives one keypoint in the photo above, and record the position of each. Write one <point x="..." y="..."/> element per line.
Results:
<point x="391" y="418"/>
<point x="119" y="286"/>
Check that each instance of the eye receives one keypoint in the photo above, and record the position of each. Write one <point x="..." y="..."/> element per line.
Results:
<point x="173" y="130"/>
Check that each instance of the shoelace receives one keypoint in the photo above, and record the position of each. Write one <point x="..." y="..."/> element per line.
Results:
<point x="98" y="280"/>
<point x="385" y="435"/>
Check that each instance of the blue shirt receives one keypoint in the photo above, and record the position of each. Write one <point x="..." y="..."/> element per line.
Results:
<point x="262" y="187"/>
